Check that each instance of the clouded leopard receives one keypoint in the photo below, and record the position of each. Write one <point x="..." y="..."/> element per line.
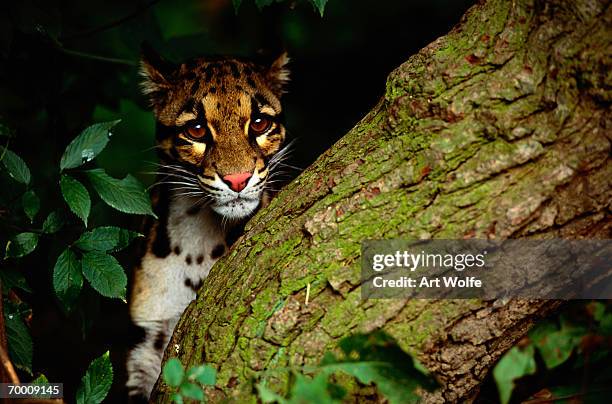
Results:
<point x="219" y="136"/>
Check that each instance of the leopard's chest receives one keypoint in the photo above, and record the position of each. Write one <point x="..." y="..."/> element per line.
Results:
<point x="195" y="241"/>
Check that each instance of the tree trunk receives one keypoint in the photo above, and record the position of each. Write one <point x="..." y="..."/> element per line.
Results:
<point x="500" y="129"/>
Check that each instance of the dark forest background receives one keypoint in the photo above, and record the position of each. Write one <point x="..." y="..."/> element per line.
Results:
<point x="67" y="64"/>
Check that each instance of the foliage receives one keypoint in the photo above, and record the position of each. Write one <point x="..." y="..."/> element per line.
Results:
<point x="189" y="384"/>
<point x="76" y="196"/>
<point x="373" y="358"/>
<point x="87" y="257"/>
<point x="516" y="363"/>
<point x="96" y="382"/>
<point x="558" y="351"/>
<point x="126" y="195"/>
<point x="15" y="166"/>
<point x="18" y="336"/>
<point x="318" y="4"/>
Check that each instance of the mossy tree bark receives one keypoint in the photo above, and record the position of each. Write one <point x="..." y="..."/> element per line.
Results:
<point x="499" y="129"/>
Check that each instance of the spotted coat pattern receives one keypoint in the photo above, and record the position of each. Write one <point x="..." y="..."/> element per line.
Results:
<point x="217" y="120"/>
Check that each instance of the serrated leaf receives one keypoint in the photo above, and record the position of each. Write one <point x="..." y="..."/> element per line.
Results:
<point x="19" y="340"/>
<point x="16" y="167"/>
<point x="22" y="244"/>
<point x="96" y="382"/>
<point x="108" y="238"/>
<point x="320" y="5"/>
<point x="13" y="279"/>
<point x="31" y="204"/>
<point x="515" y="364"/>
<point x="104" y="274"/>
<point x="192" y="391"/>
<point x="236" y="4"/>
<point x="204" y="374"/>
<point x="127" y="195"/>
<point x="53" y="223"/>
<point x="173" y="372"/>
<point x="67" y="278"/>
<point x="87" y="145"/>
<point x="76" y="196"/>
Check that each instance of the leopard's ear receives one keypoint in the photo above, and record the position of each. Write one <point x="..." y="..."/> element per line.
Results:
<point x="278" y="74"/>
<point x="157" y="74"/>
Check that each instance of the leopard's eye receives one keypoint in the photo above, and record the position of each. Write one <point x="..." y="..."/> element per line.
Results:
<point x="196" y="131"/>
<point x="260" y="125"/>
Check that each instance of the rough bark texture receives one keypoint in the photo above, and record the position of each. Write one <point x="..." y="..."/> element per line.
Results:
<point x="499" y="129"/>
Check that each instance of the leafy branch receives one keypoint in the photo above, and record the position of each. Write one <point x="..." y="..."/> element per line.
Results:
<point x="373" y="358"/>
<point x="89" y="257"/>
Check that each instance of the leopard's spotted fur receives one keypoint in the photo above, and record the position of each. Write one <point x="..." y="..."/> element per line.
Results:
<point x="219" y="134"/>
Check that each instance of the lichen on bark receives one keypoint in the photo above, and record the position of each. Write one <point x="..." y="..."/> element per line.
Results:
<point x="499" y="129"/>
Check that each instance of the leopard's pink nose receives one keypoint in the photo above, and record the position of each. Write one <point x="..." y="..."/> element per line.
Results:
<point x="237" y="182"/>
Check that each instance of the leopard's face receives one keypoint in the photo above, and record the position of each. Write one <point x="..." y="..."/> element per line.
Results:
<point x="219" y="128"/>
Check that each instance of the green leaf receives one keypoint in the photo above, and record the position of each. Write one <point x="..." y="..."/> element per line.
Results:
<point x="205" y="374"/>
<point x="67" y="278"/>
<point x="105" y="239"/>
<point x="306" y="390"/>
<point x="236" y="4"/>
<point x="376" y="358"/>
<point x="555" y="345"/>
<point x="104" y="274"/>
<point x="41" y="379"/>
<point x="267" y="396"/>
<point x="31" y="204"/>
<point x="192" y="391"/>
<point x="597" y="310"/>
<point x="336" y="391"/>
<point x="16" y="167"/>
<point x="605" y="325"/>
<point x="13" y="279"/>
<point x="53" y="223"/>
<point x="87" y="145"/>
<point x="20" y="245"/>
<point x="177" y="398"/>
<point x="173" y="372"/>
<point x="320" y="5"/>
<point x="515" y="364"/>
<point x="127" y="195"/>
<point x="97" y="381"/>
<point x="76" y="196"/>
<point x="18" y="338"/>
